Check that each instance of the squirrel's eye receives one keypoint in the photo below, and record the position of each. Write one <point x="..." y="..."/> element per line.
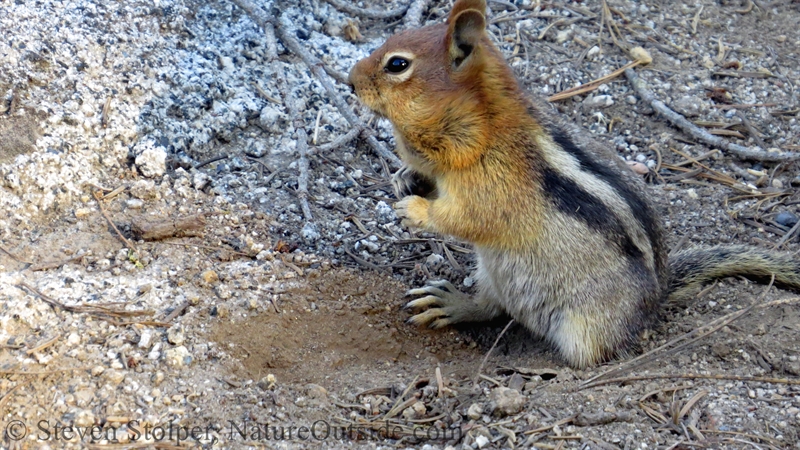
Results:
<point x="397" y="64"/>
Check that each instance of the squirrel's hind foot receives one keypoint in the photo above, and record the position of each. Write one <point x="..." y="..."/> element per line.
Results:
<point x="446" y="305"/>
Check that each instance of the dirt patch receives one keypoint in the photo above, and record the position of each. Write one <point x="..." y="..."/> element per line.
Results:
<point x="18" y="134"/>
<point x="342" y="320"/>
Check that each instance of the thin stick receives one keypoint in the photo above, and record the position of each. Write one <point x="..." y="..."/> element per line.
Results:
<point x="696" y="335"/>
<point x="787" y="236"/>
<point x="592" y="85"/>
<point x="395" y="408"/>
<point x="286" y="34"/>
<point x="367" y="13"/>
<point x="302" y="149"/>
<point x="698" y="159"/>
<point x="338" y="142"/>
<point x="751" y="130"/>
<point x="12" y="256"/>
<point x="745" y="105"/>
<point x="210" y="160"/>
<point x="701" y="135"/>
<point x="98" y="196"/>
<point x="439" y="382"/>
<point x="176" y="312"/>
<point x="496" y="341"/>
<point x="43" y="345"/>
<point x="693" y="376"/>
<point x="316" y="127"/>
<point x="550" y="427"/>
<point x="96" y="310"/>
<point x="302" y="180"/>
<point x="413" y="17"/>
<point x="7" y="395"/>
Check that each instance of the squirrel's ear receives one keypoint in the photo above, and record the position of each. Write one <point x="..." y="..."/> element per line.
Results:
<point x="464" y="34"/>
<point x="463" y="5"/>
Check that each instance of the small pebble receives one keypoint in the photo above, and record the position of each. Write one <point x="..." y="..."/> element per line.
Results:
<point x="786" y="219"/>
<point x="80" y="213"/>
<point x="146" y="338"/>
<point x="507" y="401"/>
<point x="209" y="276"/>
<point x="475" y="411"/>
<point x="638" y="167"/>
<point x="175" y="335"/>
<point x="134" y="203"/>
<point x="178" y="356"/>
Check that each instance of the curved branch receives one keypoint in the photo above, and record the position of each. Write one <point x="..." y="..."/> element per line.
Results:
<point x="697" y="133"/>
<point x="413" y="17"/>
<point x="368" y="13"/>
<point x="286" y="34"/>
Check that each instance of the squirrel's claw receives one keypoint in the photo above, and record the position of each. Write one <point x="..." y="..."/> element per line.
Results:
<point x="413" y="211"/>
<point x="446" y="305"/>
<point x="406" y="181"/>
<point x="403" y="182"/>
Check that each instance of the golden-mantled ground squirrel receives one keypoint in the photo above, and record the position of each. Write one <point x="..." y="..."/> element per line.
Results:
<point x="567" y="243"/>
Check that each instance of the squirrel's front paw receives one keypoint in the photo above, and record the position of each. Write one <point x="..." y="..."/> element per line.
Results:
<point x="407" y="182"/>
<point x="413" y="211"/>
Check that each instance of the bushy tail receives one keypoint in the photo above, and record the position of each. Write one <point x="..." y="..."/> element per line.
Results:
<point x="693" y="267"/>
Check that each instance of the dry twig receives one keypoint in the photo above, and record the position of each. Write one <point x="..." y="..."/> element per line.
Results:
<point x="165" y="228"/>
<point x="701" y="135"/>
<point x="43" y="345"/>
<point x="302" y="149"/>
<point x="363" y="12"/>
<point x="592" y="85"/>
<point x="689" y="338"/>
<point x="95" y="310"/>
<point x="99" y="196"/>
<point x="694" y="376"/>
<point x="286" y="34"/>
<point x="338" y="142"/>
<point x="413" y="17"/>
<point x="496" y="341"/>
<point x="13" y="256"/>
<point x="751" y="130"/>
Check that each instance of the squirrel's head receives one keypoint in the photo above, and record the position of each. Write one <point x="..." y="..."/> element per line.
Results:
<point x="436" y="84"/>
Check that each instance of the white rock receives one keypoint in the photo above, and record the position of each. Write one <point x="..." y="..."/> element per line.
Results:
<point x="434" y="260"/>
<point x="73" y="338"/>
<point x="151" y="159"/>
<point x="134" y="203"/>
<point x="85" y="418"/>
<point x="178" y="356"/>
<point x="475" y="411"/>
<point x="507" y="401"/>
<point x="598" y="101"/>
<point x="146" y="338"/>
<point x="175" y="335"/>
